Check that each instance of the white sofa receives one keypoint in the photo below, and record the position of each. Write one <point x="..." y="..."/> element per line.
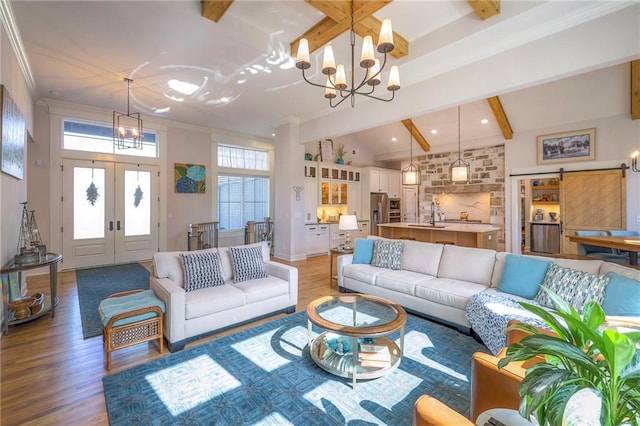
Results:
<point x="193" y="314"/>
<point x="437" y="281"/>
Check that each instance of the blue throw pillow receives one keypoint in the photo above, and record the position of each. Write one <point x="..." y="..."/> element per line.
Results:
<point x="363" y="251"/>
<point x="622" y="296"/>
<point x="522" y="275"/>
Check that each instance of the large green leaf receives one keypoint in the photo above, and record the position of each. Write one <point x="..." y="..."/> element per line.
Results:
<point x="618" y="350"/>
<point x="593" y="315"/>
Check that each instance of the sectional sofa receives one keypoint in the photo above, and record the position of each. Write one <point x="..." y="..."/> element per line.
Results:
<point x="206" y="291"/>
<point x="478" y="289"/>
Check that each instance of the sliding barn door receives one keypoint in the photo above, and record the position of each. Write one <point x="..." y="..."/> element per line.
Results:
<point x="591" y="200"/>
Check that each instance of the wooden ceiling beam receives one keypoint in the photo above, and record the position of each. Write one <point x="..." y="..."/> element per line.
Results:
<point x="635" y="89"/>
<point x="338" y="20"/>
<point x="422" y="141"/>
<point x="485" y="9"/>
<point x="214" y="9"/>
<point x="501" y="117"/>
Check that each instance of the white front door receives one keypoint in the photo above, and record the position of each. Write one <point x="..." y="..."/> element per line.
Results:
<point x="109" y="213"/>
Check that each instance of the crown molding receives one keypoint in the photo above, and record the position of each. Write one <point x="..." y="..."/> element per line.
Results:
<point x="9" y="23"/>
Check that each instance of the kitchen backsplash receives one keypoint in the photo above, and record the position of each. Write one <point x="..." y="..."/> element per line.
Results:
<point x="475" y="205"/>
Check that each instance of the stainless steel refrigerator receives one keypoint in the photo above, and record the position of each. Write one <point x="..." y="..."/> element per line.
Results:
<point x="545" y="237"/>
<point x="379" y="211"/>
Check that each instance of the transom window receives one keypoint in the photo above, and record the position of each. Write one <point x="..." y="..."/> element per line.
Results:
<point x="98" y="138"/>
<point x="235" y="157"/>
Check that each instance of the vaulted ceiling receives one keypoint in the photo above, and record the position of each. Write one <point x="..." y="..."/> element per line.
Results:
<point x="245" y="80"/>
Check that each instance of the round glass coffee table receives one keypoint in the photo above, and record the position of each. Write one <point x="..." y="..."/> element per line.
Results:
<point x="354" y="342"/>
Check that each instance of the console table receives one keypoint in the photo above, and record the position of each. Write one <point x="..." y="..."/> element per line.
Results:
<point x="51" y="300"/>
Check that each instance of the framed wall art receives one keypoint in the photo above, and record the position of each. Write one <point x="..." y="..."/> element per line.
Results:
<point x="578" y="145"/>
<point x="14" y="135"/>
<point x="189" y="178"/>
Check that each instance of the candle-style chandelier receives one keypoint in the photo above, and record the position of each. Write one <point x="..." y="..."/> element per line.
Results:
<point x="336" y="78"/>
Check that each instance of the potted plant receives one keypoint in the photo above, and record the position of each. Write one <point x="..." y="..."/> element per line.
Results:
<point x="582" y="360"/>
<point x="340" y="153"/>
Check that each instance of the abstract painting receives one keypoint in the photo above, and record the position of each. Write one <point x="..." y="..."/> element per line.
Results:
<point x="14" y="135"/>
<point x="189" y="178"/>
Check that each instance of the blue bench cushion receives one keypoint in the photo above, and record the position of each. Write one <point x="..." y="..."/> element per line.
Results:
<point x="118" y="305"/>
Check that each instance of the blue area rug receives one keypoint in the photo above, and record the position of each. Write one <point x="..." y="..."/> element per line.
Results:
<point x="265" y="376"/>
<point x="96" y="284"/>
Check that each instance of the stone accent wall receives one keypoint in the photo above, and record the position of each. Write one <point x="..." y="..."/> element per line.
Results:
<point x="487" y="175"/>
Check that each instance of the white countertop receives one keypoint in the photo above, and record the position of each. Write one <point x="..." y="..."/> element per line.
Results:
<point x="451" y="227"/>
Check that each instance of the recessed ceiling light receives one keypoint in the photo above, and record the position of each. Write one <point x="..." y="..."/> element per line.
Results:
<point x="393" y="139"/>
<point x="242" y="81"/>
<point x="273" y="134"/>
<point x="224" y="99"/>
<point x="434" y="132"/>
<point x="484" y="121"/>
<point x="183" y="87"/>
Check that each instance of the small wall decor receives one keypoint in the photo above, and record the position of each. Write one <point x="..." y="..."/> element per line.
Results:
<point x="578" y="145"/>
<point x="297" y="189"/>
<point x="14" y="135"/>
<point x="189" y="178"/>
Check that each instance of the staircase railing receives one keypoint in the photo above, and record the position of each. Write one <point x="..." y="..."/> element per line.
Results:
<point x="259" y="231"/>
<point x="202" y="235"/>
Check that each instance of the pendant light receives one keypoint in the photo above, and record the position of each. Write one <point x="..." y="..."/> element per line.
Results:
<point x="127" y="128"/>
<point x="459" y="168"/>
<point x="411" y="174"/>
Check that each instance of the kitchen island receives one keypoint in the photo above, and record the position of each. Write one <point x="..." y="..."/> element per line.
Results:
<point x="461" y="234"/>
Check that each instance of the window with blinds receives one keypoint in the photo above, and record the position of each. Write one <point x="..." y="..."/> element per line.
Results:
<point x="241" y="199"/>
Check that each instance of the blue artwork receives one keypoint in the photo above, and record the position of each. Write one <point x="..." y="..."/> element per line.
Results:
<point x="190" y="178"/>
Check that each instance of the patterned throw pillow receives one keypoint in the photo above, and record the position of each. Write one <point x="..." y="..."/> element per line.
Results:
<point x="201" y="270"/>
<point x="387" y="254"/>
<point x="248" y="263"/>
<point x="574" y="287"/>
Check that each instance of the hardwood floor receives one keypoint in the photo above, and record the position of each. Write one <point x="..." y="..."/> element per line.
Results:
<point x="50" y="375"/>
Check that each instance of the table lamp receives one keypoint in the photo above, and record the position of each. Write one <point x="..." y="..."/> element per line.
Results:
<point x="348" y="222"/>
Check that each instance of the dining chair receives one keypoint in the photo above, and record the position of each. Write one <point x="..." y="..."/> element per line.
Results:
<point x="623" y="233"/>
<point x="597" y="252"/>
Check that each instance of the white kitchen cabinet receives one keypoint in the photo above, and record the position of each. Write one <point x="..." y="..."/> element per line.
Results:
<point x="394" y="186"/>
<point x="338" y="236"/>
<point x="310" y="195"/>
<point x="378" y="181"/>
<point x="362" y="232"/>
<point x="317" y="239"/>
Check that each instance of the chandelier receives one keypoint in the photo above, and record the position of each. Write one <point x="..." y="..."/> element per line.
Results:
<point x="411" y="173"/>
<point x="127" y="128"/>
<point x="459" y="168"/>
<point x="336" y="77"/>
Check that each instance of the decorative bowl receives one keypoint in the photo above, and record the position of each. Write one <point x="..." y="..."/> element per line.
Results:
<point x="21" y="307"/>
<point x="38" y="303"/>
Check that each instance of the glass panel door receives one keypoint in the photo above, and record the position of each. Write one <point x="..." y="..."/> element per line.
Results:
<point x="136" y="233"/>
<point x="109" y="213"/>
<point x="87" y="213"/>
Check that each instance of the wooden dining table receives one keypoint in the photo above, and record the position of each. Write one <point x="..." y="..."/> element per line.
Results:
<point x="624" y="243"/>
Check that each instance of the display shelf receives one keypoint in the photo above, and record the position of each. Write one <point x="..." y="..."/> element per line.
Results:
<point x="48" y="259"/>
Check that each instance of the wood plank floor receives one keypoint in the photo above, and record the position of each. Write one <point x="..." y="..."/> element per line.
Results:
<point x="50" y="375"/>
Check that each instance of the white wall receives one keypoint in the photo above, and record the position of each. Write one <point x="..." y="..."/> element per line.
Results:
<point x="12" y="190"/>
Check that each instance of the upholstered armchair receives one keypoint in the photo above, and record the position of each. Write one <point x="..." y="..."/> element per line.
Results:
<point x="490" y="388"/>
